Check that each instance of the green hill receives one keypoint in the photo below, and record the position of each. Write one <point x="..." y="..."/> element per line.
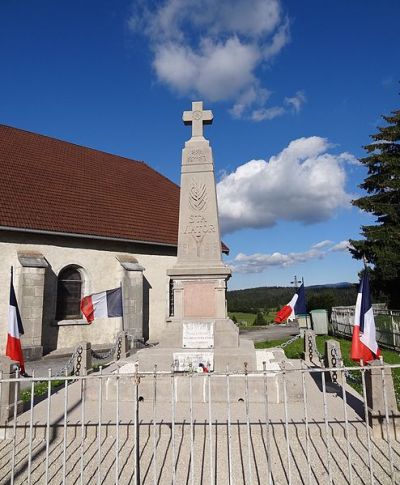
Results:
<point x="273" y="297"/>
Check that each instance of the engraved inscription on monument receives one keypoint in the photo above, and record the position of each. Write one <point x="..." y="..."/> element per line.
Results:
<point x="182" y="360"/>
<point x="198" y="335"/>
<point x="197" y="156"/>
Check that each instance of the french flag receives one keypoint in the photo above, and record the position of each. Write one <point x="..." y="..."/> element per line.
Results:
<point x="364" y="345"/>
<point x="296" y="306"/>
<point x="15" y="330"/>
<point x="105" y="304"/>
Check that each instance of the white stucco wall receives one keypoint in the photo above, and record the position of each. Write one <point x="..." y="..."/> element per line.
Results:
<point x="103" y="271"/>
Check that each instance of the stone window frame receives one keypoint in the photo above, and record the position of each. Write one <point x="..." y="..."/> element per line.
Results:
<point x="84" y="291"/>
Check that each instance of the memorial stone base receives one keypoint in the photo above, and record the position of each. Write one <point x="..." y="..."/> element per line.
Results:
<point x="213" y="343"/>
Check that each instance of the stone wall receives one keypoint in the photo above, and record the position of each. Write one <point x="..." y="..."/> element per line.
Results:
<point x="102" y="269"/>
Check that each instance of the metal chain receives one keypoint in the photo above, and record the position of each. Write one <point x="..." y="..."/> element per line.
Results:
<point x="105" y="356"/>
<point x="352" y="377"/>
<point x="318" y="352"/>
<point x="116" y="347"/>
<point x="288" y="342"/>
<point x="68" y="367"/>
<point x="310" y="347"/>
<point x="334" y="361"/>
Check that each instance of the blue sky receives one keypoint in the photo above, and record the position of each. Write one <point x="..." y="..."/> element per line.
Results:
<point x="296" y="89"/>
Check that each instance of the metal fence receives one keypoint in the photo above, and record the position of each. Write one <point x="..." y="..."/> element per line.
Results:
<point x="281" y="425"/>
<point x="387" y="325"/>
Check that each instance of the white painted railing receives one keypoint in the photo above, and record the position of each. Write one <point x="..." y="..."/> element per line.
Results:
<point x="98" y="428"/>
<point x="387" y="325"/>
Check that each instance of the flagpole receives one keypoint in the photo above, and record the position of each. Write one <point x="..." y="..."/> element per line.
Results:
<point x="302" y="282"/>
<point x="123" y="304"/>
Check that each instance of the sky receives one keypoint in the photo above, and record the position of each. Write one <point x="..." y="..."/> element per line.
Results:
<point x="296" y="89"/>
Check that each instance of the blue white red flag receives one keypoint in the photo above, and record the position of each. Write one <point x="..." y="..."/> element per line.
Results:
<point x="296" y="306"/>
<point x="364" y="345"/>
<point x="15" y="330"/>
<point x="104" y="304"/>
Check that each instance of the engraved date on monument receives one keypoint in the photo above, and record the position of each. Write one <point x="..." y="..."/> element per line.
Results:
<point x="197" y="156"/>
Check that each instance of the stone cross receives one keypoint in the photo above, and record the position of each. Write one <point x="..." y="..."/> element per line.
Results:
<point x="197" y="117"/>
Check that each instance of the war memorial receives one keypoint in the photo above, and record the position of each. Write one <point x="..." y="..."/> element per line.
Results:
<point x="203" y="406"/>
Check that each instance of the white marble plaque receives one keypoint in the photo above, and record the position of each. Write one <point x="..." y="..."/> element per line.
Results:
<point x="182" y="360"/>
<point x="198" y="335"/>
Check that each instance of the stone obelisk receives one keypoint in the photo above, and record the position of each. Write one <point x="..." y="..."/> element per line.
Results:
<point x="199" y="333"/>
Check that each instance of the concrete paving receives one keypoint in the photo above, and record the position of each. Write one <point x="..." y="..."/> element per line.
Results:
<point x="250" y="446"/>
<point x="269" y="332"/>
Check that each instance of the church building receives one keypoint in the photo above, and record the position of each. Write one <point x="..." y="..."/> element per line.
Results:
<point x="76" y="221"/>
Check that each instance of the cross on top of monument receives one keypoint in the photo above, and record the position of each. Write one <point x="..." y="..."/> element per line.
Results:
<point x="197" y="117"/>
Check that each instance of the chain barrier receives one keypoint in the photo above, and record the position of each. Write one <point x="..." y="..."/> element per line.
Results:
<point x="288" y="342"/>
<point x="310" y="347"/>
<point x="351" y="377"/>
<point x="69" y="366"/>
<point x="107" y="355"/>
<point x="334" y="361"/>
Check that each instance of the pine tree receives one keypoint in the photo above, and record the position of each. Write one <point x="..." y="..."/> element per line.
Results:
<point x="381" y="246"/>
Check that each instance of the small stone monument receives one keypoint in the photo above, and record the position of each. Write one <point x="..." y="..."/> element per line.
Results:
<point x="199" y="332"/>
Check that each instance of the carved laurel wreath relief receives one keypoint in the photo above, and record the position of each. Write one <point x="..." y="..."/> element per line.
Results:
<point x="198" y="196"/>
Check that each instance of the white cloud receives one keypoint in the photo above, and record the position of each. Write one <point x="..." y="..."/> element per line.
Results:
<point x="303" y="183"/>
<point x="259" y="262"/>
<point x="322" y="244"/>
<point x="341" y="246"/>
<point x="297" y="101"/>
<point x="267" y="113"/>
<point x="213" y="49"/>
<point x="217" y="71"/>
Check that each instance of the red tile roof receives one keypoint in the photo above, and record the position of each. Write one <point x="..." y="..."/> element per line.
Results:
<point x="52" y="185"/>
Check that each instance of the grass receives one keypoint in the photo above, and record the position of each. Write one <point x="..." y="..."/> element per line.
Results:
<point x="40" y="389"/>
<point x="247" y="319"/>
<point x="243" y="319"/>
<point x="295" y="351"/>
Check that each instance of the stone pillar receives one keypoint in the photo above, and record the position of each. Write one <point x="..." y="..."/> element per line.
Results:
<point x="122" y="348"/>
<point x="375" y="388"/>
<point x="30" y="298"/>
<point x="310" y="347"/>
<point x="132" y="295"/>
<point x="333" y="357"/>
<point x="7" y="390"/>
<point x="200" y="331"/>
<point x="83" y="359"/>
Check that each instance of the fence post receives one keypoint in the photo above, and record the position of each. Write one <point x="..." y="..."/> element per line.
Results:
<point x="122" y="347"/>
<point x="333" y="357"/>
<point x="375" y="391"/>
<point x="83" y="359"/>
<point x="8" y="370"/>
<point x="310" y="347"/>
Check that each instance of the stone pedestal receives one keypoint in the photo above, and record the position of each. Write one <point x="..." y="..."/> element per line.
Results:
<point x="8" y="390"/>
<point x="199" y="276"/>
<point x="333" y="358"/>
<point x="30" y="298"/>
<point x="310" y="347"/>
<point x="377" y="385"/>
<point x="132" y="296"/>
